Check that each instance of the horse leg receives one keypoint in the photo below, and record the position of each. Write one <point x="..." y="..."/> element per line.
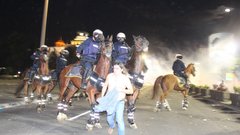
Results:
<point x="158" y="106"/>
<point x="185" y="95"/>
<point x="185" y="102"/>
<point x="26" y="87"/>
<point x="91" y="121"/>
<point x="94" y="119"/>
<point x="131" y="109"/>
<point x="63" y="87"/>
<point x="44" y="96"/>
<point x="72" y="90"/>
<point x="50" y="88"/>
<point x="39" y="99"/>
<point x="19" y="89"/>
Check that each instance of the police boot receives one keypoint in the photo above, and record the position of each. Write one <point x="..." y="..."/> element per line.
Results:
<point x="186" y="85"/>
<point x="84" y="80"/>
<point x="84" y="84"/>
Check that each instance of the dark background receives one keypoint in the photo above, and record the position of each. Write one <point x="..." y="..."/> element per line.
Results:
<point x="173" y="24"/>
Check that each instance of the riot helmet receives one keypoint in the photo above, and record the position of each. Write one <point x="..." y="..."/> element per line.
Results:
<point x="121" y="36"/>
<point x="178" y="56"/>
<point x="43" y="48"/>
<point x="97" y="34"/>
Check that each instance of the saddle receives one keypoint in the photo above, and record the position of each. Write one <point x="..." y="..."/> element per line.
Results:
<point x="76" y="71"/>
<point x="182" y="81"/>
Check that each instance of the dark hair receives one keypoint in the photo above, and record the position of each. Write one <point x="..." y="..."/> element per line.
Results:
<point x="121" y="65"/>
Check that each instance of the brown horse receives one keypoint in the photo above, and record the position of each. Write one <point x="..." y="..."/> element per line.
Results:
<point x="30" y="88"/>
<point x="93" y="89"/>
<point x="136" y="66"/>
<point x="41" y="82"/>
<point x="164" y="84"/>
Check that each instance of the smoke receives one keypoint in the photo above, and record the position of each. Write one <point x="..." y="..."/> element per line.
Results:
<point x="160" y="58"/>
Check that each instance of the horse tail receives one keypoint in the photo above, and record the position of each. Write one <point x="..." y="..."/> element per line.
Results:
<point x="21" y="83"/>
<point x="156" y="86"/>
<point x="19" y="88"/>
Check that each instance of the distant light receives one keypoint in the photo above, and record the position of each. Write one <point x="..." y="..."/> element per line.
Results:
<point x="227" y="10"/>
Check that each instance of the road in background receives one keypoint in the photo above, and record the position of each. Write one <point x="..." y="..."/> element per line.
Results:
<point x="202" y="118"/>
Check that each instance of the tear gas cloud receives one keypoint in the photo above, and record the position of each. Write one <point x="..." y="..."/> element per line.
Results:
<point x="159" y="60"/>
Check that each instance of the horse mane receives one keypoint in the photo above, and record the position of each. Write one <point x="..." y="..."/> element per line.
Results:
<point x="189" y="68"/>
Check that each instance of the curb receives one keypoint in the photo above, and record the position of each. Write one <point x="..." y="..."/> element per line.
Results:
<point x="237" y="109"/>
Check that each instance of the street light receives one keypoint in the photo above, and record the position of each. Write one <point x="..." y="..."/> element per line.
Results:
<point x="227" y="10"/>
<point x="44" y="23"/>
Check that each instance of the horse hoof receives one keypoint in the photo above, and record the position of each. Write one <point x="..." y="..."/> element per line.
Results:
<point x="61" y="116"/>
<point x="184" y="108"/>
<point x="50" y="100"/>
<point x="70" y="104"/>
<point x="169" y="109"/>
<point x="156" y="110"/>
<point x="39" y="109"/>
<point x="98" y="125"/>
<point x="133" y="126"/>
<point x="89" y="127"/>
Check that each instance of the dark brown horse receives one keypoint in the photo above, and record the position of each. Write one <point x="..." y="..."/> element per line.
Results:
<point x="136" y="66"/>
<point x="93" y="89"/>
<point x="164" y="84"/>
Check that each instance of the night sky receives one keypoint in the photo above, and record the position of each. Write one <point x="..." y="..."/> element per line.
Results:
<point x="175" y="24"/>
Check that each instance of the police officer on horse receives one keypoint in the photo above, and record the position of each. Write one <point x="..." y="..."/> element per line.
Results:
<point x="36" y="61"/>
<point x="121" y="51"/>
<point x="89" y="51"/>
<point x="178" y="69"/>
<point x="61" y="62"/>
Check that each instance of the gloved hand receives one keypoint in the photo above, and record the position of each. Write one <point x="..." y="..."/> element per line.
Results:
<point x="78" y="55"/>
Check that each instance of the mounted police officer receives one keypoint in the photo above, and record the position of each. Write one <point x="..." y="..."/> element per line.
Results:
<point x="36" y="62"/>
<point x="121" y="51"/>
<point x="179" y="67"/>
<point x="61" y="61"/>
<point x="89" y="52"/>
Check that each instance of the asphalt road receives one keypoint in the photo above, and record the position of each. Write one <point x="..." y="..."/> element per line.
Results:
<point x="202" y="118"/>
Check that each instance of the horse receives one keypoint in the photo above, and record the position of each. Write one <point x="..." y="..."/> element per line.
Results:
<point x="21" y="84"/>
<point x="136" y="66"/>
<point x="164" y="84"/>
<point x="30" y="88"/>
<point x="95" y="81"/>
<point x="41" y="82"/>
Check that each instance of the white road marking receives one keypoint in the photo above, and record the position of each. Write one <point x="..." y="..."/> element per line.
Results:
<point x="75" y="117"/>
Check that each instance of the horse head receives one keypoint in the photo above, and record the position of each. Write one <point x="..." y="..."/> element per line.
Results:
<point x="140" y="43"/>
<point x="107" y="46"/>
<point x="190" y="69"/>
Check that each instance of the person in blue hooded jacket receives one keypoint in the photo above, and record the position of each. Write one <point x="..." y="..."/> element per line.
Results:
<point x="179" y="67"/>
<point x="121" y="51"/>
<point x="61" y="62"/>
<point x="36" y="63"/>
<point x="89" y="51"/>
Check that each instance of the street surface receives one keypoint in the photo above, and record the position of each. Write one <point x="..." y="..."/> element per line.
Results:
<point x="202" y="118"/>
